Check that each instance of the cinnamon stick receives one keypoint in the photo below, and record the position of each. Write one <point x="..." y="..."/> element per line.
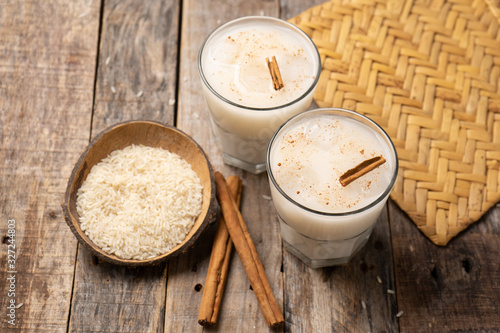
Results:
<point x="274" y="70"/>
<point x="219" y="265"/>
<point x="260" y="267"/>
<point x="361" y="169"/>
<point x="247" y="253"/>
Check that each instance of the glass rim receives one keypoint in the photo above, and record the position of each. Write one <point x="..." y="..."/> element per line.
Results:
<point x="353" y="115"/>
<point x="265" y="18"/>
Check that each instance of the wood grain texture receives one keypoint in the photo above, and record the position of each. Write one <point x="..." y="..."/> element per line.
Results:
<point x="137" y="71"/>
<point x="138" y="52"/>
<point x="240" y="311"/>
<point x="110" y="298"/>
<point x="448" y="289"/>
<point x="47" y="66"/>
<point x="292" y="8"/>
<point x="349" y="298"/>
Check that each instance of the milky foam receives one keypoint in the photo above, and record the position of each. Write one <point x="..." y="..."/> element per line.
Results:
<point x="308" y="159"/>
<point x="235" y="64"/>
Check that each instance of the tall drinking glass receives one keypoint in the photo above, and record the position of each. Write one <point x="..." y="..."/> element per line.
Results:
<point x="244" y="106"/>
<point x="323" y="222"/>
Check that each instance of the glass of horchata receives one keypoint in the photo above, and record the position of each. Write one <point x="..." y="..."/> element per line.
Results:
<point x="257" y="72"/>
<point x="330" y="172"/>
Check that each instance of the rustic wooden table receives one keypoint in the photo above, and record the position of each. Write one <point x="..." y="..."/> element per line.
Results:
<point x="70" y="69"/>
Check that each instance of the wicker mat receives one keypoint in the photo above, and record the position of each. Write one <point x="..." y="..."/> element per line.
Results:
<point x="429" y="73"/>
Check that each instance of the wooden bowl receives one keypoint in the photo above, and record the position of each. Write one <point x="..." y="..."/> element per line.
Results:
<point x="151" y="134"/>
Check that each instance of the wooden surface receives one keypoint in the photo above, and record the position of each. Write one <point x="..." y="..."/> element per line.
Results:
<point x="67" y="71"/>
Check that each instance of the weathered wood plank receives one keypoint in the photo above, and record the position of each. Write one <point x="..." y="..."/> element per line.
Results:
<point x="452" y="288"/>
<point x="47" y="66"/>
<point x="240" y="311"/>
<point x="292" y="8"/>
<point x="137" y="70"/>
<point x="349" y="298"/>
<point x="110" y="298"/>
<point x="136" y="79"/>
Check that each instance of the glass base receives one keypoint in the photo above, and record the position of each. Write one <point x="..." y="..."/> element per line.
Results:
<point x="322" y="253"/>
<point x="253" y="168"/>
<point x="315" y="263"/>
<point x="319" y="263"/>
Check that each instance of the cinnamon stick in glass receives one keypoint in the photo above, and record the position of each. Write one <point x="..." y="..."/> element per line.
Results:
<point x="274" y="70"/>
<point x="219" y="265"/>
<point x="361" y="169"/>
<point x="248" y="254"/>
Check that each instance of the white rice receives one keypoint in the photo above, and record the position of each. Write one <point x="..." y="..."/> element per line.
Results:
<point x="139" y="202"/>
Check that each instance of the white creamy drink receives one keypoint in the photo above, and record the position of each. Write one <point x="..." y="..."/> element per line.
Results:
<point x="323" y="222"/>
<point x="245" y="108"/>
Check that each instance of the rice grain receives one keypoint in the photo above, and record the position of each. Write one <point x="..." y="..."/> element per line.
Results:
<point x="139" y="202"/>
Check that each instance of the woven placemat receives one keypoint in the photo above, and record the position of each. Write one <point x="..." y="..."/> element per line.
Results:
<point x="429" y="73"/>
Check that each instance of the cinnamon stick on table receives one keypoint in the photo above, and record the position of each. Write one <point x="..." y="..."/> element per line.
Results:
<point x="219" y="265"/>
<point x="248" y="254"/>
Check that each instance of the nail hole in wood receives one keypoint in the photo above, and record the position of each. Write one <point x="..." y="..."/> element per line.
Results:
<point x="198" y="287"/>
<point x="379" y="245"/>
<point x="363" y="266"/>
<point x="434" y="273"/>
<point x="467" y="265"/>
<point x="5" y="239"/>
